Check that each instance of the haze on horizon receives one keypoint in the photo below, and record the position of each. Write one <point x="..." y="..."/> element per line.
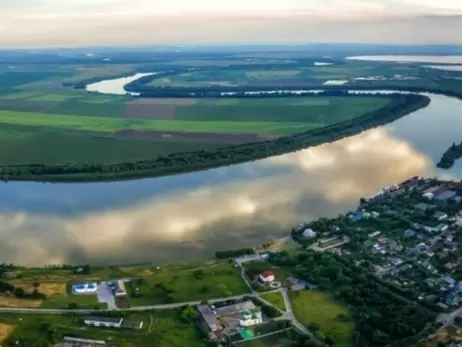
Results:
<point x="45" y="23"/>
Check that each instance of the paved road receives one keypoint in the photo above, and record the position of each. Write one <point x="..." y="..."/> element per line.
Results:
<point x="288" y="315"/>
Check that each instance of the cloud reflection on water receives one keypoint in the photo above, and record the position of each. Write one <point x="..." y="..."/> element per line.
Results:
<point x="320" y="181"/>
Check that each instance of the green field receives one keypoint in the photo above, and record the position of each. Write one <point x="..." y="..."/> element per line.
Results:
<point x="219" y="280"/>
<point x="277" y="340"/>
<point x="160" y="329"/>
<point x="333" y="319"/>
<point x="276" y="299"/>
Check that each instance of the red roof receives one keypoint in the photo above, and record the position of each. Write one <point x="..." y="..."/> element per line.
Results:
<point x="267" y="274"/>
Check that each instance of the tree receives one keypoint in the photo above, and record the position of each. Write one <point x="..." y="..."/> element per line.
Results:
<point x="19" y="292"/>
<point x="73" y="306"/>
<point x="198" y="274"/>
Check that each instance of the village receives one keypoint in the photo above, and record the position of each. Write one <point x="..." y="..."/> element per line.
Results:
<point x="409" y="234"/>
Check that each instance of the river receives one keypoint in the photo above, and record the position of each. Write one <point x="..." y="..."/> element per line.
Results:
<point x="181" y="217"/>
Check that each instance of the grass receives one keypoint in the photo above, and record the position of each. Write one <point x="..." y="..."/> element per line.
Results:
<point x="333" y="319"/>
<point x="276" y="299"/>
<point x="53" y="97"/>
<point x="52" y="148"/>
<point x="185" y="285"/>
<point x="276" y="340"/>
<point x="160" y="329"/>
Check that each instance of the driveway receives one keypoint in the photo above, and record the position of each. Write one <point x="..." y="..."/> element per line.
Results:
<point x="105" y="295"/>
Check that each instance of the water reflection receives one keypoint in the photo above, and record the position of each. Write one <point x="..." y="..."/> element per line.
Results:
<point x="221" y="210"/>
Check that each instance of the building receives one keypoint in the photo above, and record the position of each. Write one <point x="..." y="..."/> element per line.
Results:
<point x="309" y="233"/>
<point x="409" y="233"/>
<point x="112" y="322"/>
<point x="208" y="320"/>
<point x="250" y="318"/>
<point x="438" y="215"/>
<point x="445" y="196"/>
<point x="267" y="277"/>
<point x="234" y="309"/>
<point x="118" y="288"/>
<point x="422" y="206"/>
<point x="85" y="288"/>
<point x="74" y="341"/>
<point x="107" y="322"/>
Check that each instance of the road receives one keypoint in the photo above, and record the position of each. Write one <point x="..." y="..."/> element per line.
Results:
<point x="287" y="315"/>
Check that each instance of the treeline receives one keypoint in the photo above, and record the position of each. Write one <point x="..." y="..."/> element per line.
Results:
<point x="382" y="316"/>
<point x="234" y="253"/>
<point x="401" y="105"/>
<point x="449" y="157"/>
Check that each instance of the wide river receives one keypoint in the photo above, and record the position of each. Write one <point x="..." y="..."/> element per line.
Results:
<point x="187" y="216"/>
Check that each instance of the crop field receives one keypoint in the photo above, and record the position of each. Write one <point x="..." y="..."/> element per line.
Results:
<point x="44" y="121"/>
<point x="72" y="128"/>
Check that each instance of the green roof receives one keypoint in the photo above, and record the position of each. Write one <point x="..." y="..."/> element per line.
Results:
<point x="246" y="334"/>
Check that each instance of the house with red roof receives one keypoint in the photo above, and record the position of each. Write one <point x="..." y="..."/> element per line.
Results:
<point x="267" y="277"/>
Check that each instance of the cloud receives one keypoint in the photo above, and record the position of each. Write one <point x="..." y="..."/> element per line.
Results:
<point x="320" y="181"/>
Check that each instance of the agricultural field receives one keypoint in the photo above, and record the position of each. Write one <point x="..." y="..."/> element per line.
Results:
<point x="63" y="127"/>
<point x="319" y="312"/>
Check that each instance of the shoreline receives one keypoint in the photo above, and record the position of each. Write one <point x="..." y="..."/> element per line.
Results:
<point x="401" y="106"/>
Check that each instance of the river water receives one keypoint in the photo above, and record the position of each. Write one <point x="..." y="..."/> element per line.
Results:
<point x="181" y="217"/>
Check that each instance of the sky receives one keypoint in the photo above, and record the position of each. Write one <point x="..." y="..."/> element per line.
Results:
<point x="109" y="22"/>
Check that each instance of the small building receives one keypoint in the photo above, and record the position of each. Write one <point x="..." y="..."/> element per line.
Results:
<point x="112" y="322"/>
<point x="74" y="341"/>
<point x="309" y="233"/>
<point x="118" y="287"/>
<point x="438" y="215"/>
<point x="374" y="234"/>
<point x="422" y="206"/>
<point x="234" y="309"/>
<point x="450" y="281"/>
<point x="250" y="318"/>
<point x="445" y="196"/>
<point x="267" y="277"/>
<point x="409" y="233"/>
<point x="107" y="322"/>
<point x="208" y="320"/>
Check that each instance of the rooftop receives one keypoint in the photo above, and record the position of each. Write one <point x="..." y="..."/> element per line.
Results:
<point x="236" y="308"/>
<point x="113" y="320"/>
<point x="209" y="317"/>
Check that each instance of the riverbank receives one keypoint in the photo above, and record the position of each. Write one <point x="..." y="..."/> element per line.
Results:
<point x="401" y="105"/>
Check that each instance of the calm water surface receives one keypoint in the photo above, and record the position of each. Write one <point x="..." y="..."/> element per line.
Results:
<point x="186" y="216"/>
<point x="443" y="59"/>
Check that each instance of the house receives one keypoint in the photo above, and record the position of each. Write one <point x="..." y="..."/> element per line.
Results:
<point x="107" y="322"/>
<point x="450" y="281"/>
<point x="409" y="233"/>
<point x="208" y="320"/>
<point x="250" y="318"/>
<point x="234" y="309"/>
<point x="422" y="206"/>
<point x="118" y="288"/>
<point x="374" y="234"/>
<point x="438" y="215"/>
<point x="112" y="322"/>
<point x="267" y="277"/>
<point x="375" y="214"/>
<point x="442" y="227"/>
<point x="445" y="196"/>
<point x="74" y="341"/>
<point x="309" y="233"/>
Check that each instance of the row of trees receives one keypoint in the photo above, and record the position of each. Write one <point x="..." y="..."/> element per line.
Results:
<point x="192" y="161"/>
<point x="382" y="316"/>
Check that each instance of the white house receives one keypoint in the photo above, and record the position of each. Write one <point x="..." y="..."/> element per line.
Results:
<point x="267" y="277"/>
<point x="107" y="322"/>
<point x="309" y="233"/>
<point x="251" y="317"/>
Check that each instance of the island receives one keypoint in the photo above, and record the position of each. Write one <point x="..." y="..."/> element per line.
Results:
<point x="387" y="273"/>
<point x="451" y="155"/>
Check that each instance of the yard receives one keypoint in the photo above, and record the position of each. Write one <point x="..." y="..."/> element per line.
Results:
<point x="277" y="340"/>
<point x="221" y="280"/>
<point x="319" y="312"/>
<point x="276" y="299"/>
